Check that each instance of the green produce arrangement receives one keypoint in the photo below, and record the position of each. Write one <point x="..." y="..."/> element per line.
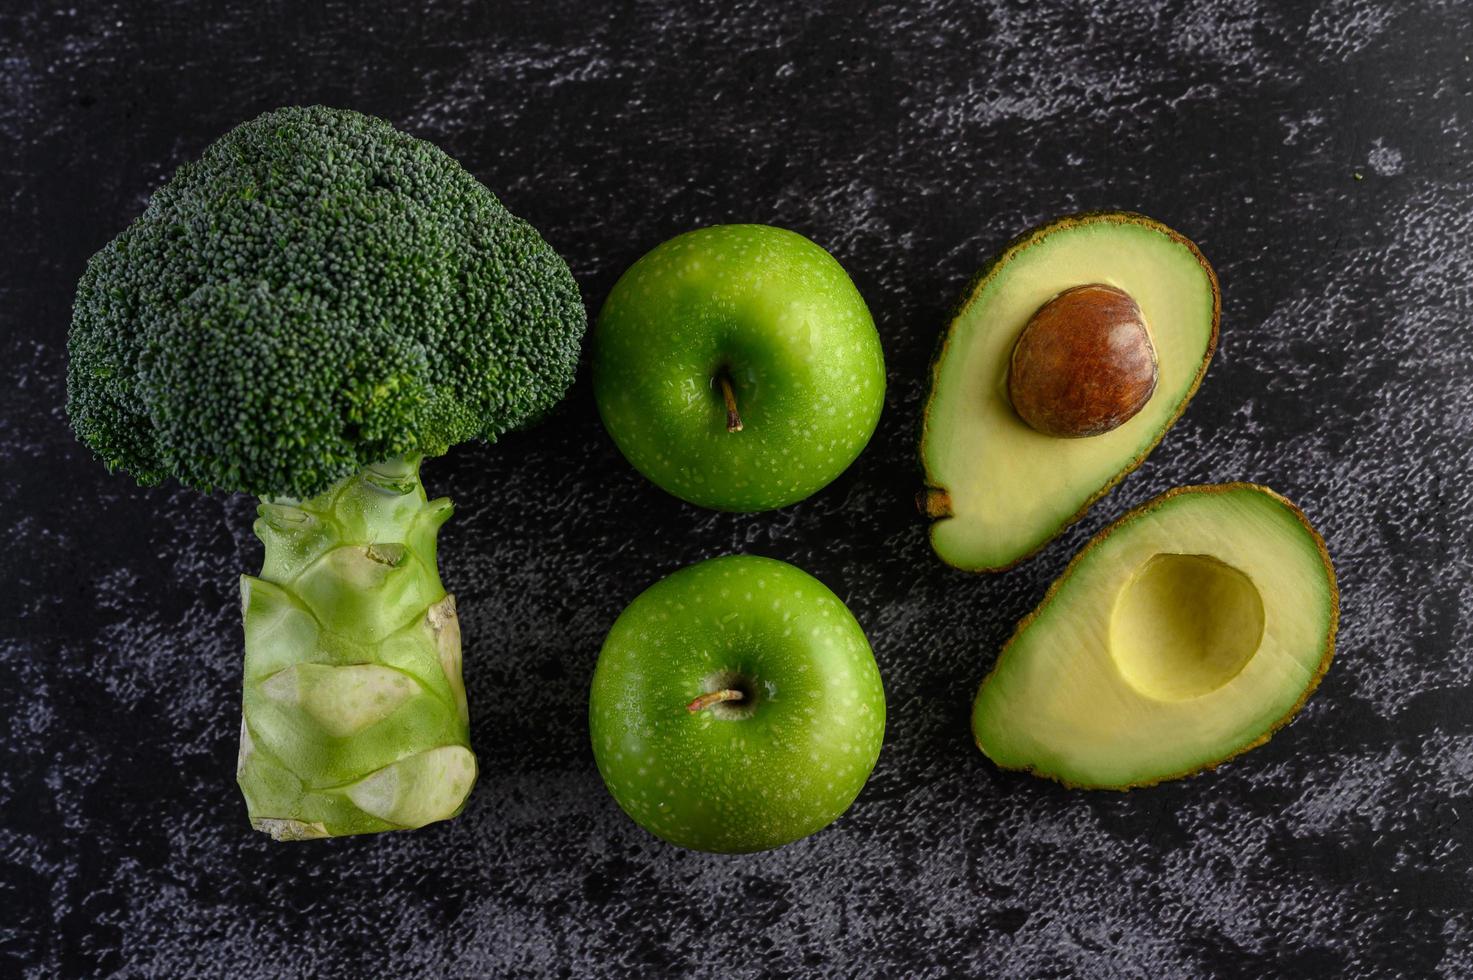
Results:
<point x="321" y="301"/>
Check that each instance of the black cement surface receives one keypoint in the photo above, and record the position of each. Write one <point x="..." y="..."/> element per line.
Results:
<point x="1320" y="153"/>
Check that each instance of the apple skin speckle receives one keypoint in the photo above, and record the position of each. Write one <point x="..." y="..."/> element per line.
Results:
<point x="781" y="764"/>
<point x="775" y="316"/>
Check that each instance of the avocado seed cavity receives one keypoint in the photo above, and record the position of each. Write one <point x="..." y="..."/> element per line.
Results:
<point x="1084" y="364"/>
<point x="1185" y="625"/>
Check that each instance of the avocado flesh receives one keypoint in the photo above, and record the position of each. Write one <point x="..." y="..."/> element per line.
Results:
<point x="1184" y="634"/>
<point x="1011" y="489"/>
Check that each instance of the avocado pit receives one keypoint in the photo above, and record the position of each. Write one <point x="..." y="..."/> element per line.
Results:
<point x="1084" y="364"/>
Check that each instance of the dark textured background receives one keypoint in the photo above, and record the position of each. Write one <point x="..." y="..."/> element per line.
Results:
<point x="1319" y="153"/>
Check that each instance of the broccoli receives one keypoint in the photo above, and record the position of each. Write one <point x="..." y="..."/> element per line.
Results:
<point x="303" y="314"/>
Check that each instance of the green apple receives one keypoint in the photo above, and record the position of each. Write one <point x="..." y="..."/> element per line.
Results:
<point x="738" y="368"/>
<point x="736" y="706"/>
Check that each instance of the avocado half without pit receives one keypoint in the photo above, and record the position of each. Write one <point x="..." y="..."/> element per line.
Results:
<point x="1185" y="633"/>
<point x="1070" y="356"/>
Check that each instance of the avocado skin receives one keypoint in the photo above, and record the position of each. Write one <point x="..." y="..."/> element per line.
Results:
<point x="974" y="286"/>
<point x="1327" y="655"/>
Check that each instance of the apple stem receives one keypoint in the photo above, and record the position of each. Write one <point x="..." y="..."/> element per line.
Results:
<point x="715" y="697"/>
<point x="733" y="417"/>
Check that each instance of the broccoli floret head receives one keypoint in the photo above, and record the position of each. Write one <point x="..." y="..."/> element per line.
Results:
<point x="316" y="293"/>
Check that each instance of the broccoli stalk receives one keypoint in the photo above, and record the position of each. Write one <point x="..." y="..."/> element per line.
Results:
<point x="302" y="315"/>
<point x="350" y="636"/>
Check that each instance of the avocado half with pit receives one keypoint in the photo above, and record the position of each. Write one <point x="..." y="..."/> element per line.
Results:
<point x="1071" y="355"/>
<point x="1185" y="633"/>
